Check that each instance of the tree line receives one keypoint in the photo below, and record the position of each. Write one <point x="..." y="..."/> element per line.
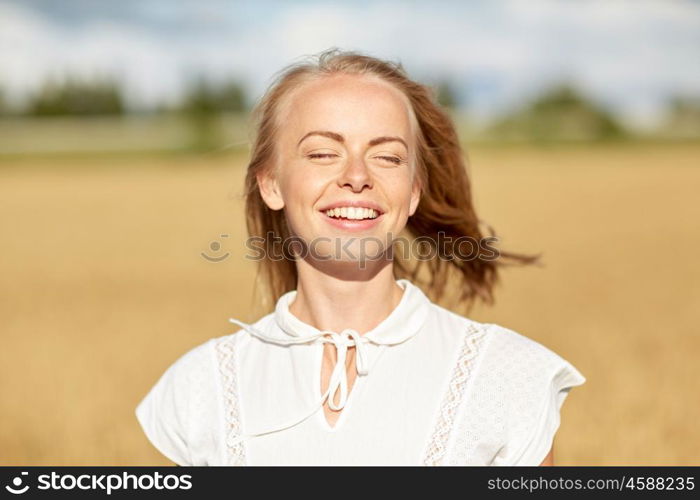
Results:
<point x="104" y="96"/>
<point x="559" y="112"/>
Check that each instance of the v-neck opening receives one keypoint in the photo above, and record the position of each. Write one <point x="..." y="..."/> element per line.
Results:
<point x="319" y="391"/>
<point x="353" y="394"/>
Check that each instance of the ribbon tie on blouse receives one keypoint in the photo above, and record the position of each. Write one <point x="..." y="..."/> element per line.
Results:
<point x="338" y="380"/>
<point x="404" y="322"/>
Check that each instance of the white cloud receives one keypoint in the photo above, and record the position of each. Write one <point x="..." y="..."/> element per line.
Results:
<point x="628" y="54"/>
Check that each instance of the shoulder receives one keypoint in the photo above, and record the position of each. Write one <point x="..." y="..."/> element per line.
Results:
<point x="196" y="359"/>
<point x="192" y="370"/>
<point x="174" y="412"/>
<point x="523" y="360"/>
<point x="449" y="323"/>
<point x="505" y="350"/>
<point x="181" y="413"/>
<point x="514" y="391"/>
<point x="529" y="383"/>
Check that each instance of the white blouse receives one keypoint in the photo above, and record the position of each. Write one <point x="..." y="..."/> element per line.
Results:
<point x="433" y="388"/>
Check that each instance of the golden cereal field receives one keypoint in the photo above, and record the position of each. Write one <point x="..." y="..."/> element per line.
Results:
<point x="102" y="286"/>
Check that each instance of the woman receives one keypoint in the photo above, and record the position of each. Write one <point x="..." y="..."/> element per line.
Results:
<point x="355" y="366"/>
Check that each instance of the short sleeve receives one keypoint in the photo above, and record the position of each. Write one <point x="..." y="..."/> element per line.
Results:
<point x="162" y="418"/>
<point x="520" y="388"/>
<point x="532" y="446"/>
<point x="181" y="414"/>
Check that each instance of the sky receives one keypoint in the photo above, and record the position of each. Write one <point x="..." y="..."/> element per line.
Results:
<point x="630" y="56"/>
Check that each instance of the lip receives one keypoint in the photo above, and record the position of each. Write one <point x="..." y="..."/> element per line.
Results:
<point x="350" y="224"/>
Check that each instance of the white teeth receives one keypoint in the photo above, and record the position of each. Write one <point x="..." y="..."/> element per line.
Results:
<point x="357" y="213"/>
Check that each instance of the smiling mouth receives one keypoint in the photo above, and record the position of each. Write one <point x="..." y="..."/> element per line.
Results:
<point x="352" y="214"/>
<point x="352" y="222"/>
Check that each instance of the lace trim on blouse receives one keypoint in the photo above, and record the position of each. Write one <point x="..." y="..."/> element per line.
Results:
<point x="437" y="447"/>
<point x="235" y="452"/>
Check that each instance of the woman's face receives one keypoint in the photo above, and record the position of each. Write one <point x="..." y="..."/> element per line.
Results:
<point x="345" y="141"/>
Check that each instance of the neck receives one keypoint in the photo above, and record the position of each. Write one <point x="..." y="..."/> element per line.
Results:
<point x="335" y="301"/>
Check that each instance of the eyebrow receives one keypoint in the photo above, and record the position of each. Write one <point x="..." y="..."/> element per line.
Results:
<point x="339" y="138"/>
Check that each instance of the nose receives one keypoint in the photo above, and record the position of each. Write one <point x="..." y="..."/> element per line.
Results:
<point x="356" y="174"/>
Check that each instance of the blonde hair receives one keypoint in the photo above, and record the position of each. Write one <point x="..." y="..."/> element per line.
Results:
<point x="446" y="201"/>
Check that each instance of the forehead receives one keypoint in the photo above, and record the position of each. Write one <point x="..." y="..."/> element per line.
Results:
<point x="350" y="105"/>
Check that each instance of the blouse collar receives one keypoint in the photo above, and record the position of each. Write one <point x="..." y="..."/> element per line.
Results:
<point x="402" y="323"/>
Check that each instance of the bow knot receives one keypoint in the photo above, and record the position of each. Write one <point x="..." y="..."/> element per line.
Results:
<point x="338" y="382"/>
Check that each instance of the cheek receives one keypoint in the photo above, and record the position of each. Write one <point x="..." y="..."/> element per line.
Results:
<point x="303" y="185"/>
<point x="398" y="186"/>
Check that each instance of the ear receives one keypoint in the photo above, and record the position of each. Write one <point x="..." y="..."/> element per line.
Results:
<point x="270" y="190"/>
<point x="415" y="197"/>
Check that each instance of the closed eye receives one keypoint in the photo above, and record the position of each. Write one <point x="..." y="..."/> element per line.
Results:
<point x="320" y="155"/>
<point x="392" y="159"/>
